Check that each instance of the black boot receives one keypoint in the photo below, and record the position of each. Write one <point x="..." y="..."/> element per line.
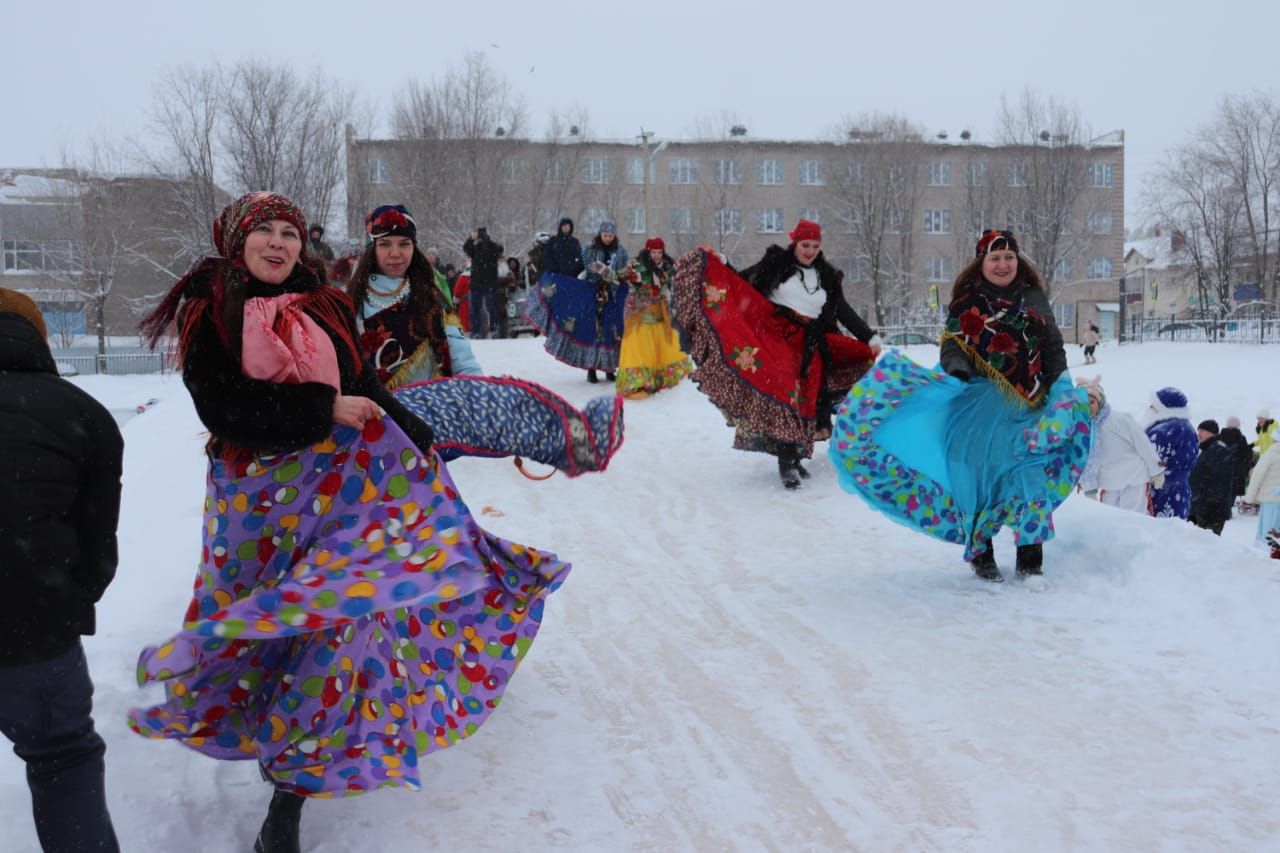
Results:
<point x="984" y="565"/>
<point x="789" y="468"/>
<point x="591" y="377"/>
<point x="279" y="833"/>
<point x="611" y="376"/>
<point x="804" y="472"/>
<point x="1030" y="558"/>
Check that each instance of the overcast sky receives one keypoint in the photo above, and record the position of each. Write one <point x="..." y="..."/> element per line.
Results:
<point x="789" y="70"/>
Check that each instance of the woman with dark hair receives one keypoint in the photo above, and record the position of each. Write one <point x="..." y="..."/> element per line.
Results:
<point x="350" y="616"/>
<point x="768" y="349"/>
<point x="650" y="358"/>
<point x="581" y="313"/>
<point x="400" y="310"/>
<point x="995" y="436"/>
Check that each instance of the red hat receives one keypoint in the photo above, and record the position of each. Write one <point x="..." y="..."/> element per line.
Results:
<point x="806" y="230"/>
<point x="655" y="243"/>
<point x="996" y="240"/>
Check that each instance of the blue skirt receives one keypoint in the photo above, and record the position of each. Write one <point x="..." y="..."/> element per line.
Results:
<point x="959" y="460"/>
<point x="580" y="330"/>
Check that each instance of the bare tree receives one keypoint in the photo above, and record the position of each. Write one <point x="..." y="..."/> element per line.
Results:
<point x="875" y="191"/>
<point x="720" y="184"/>
<point x="1243" y="143"/>
<point x="1048" y="141"/>
<point x="1201" y="203"/>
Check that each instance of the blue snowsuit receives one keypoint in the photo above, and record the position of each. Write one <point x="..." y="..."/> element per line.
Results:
<point x="1177" y="446"/>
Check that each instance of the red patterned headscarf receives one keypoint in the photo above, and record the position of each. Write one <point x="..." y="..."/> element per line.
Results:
<point x="655" y="243"/>
<point x="994" y="241"/>
<point x="806" y="230"/>
<point x="246" y="213"/>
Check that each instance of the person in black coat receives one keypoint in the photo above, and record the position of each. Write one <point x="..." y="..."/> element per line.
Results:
<point x="485" y="257"/>
<point x="1243" y="453"/>
<point x="1211" y="480"/>
<point x="563" y="252"/>
<point x="59" y="504"/>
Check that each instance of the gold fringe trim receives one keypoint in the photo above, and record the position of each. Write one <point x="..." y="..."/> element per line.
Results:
<point x="402" y="375"/>
<point x="1007" y="388"/>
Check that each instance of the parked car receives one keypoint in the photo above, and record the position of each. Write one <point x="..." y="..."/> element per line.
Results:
<point x="903" y="339"/>
<point x="517" y="323"/>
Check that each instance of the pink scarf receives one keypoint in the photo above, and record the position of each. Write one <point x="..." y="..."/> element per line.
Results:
<point x="282" y="344"/>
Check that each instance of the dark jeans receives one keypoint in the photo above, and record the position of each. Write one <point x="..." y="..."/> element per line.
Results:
<point x="45" y="709"/>
<point x="484" y="311"/>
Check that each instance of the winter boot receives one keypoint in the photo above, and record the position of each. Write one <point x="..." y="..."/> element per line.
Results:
<point x="804" y="472"/>
<point x="279" y="833"/>
<point x="1030" y="558"/>
<point x="984" y="565"/>
<point x="592" y="377"/>
<point x="789" y="468"/>
<point x="611" y="376"/>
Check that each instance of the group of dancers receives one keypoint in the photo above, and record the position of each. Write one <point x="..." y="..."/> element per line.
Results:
<point x="350" y="616"/>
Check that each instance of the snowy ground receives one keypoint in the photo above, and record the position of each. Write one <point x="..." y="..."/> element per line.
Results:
<point x="734" y="667"/>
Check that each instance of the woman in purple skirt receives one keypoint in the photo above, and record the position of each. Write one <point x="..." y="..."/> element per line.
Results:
<point x="349" y="615"/>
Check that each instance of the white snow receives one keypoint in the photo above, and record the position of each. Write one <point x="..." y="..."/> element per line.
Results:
<point x="734" y="667"/>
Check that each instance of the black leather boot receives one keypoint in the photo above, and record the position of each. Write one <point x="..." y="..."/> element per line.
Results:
<point x="789" y="468"/>
<point x="1030" y="559"/>
<point x="592" y="377"/>
<point x="611" y="376"/>
<point x="984" y="565"/>
<point x="279" y="833"/>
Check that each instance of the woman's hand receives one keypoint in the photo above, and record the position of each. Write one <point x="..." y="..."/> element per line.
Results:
<point x="354" y="411"/>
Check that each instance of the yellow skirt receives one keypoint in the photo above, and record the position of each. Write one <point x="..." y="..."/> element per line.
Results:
<point x="650" y="358"/>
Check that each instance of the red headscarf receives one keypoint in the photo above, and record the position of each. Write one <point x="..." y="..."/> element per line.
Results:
<point x="806" y="230"/>
<point x="655" y="243"/>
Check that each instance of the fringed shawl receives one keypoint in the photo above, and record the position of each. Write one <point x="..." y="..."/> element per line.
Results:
<point x="1003" y="339"/>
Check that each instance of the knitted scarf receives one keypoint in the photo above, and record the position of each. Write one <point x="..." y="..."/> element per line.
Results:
<point x="1002" y="337"/>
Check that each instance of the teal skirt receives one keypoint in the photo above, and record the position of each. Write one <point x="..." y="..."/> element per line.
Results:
<point x="959" y="460"/>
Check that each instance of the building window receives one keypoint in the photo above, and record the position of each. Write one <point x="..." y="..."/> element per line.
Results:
<point x="556" y="172"/>
<point x="635" y="171"/>
<point x="769" y="219"/>
<point x="937" y="268"/>
<point x="769" y="172"/>
<point x="975" y="222"/>
<point x="684" y="220"/>
<point x="1063" y="269"/>
<point x="813" y="214"/>
<point x="512" y="171"/>
<point x="377" y="171"/>
<point x="1016" y="221"/>
<point x="683" y="171"/>
<point x="1064" y="313"/>
<point x="34" y="256"/>
<point x="938" y="174"/>
<point x="810" y="173"/>
<point x="1017" y="174"/>
<point x="728" y="221"/>
<point x="727" y="172"/>
<point x="860" y="270"/>
<point x="975" y="174"/>
<point x="897" y="221"/>
<point x="591" y="218"/>
<point x="1102" y="175"/>
<point x="595" y="170"/>
<point x="635" y="220"/>
<point x="1100" y="268"/>
<point x="853" y="172"/>
<point x="1099" y="222"/>
<point x="848" y="218"/>
<point x="937" y="222"/>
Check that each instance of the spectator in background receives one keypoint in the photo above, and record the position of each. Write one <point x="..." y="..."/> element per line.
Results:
<point x="1122" y="461"/>
<point x="1089" y="340"/>
<point x="1264" y="426"/>
<point x="1242" y="455"/>
<point x="316" y="244"/>
<point x="485" y="256"/>
<point x="563" y="253"/>
<point x="1171" y="432"/>
<point x="1264" y="489"/>
<point x="1211" y="480"/>
<point x="59" y="504"/>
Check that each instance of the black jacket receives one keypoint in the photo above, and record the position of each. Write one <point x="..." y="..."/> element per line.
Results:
<point x="1242" y="453"/>
<point x="485" y="256"/>
<point x="269" y="417"/>
<point x="59" y="500"/>
<point x="563" y="252"/>
<point x="1053" y="355"/>
<point x="778" y="265"/>
<point x="1211" y="482"/>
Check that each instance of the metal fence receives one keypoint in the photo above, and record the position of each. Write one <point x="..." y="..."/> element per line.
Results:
<point x="112" y="363"/>
<point x="1245" y="330"/>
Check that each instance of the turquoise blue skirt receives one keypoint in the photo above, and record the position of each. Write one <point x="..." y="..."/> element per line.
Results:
<point x="959" y="460"/>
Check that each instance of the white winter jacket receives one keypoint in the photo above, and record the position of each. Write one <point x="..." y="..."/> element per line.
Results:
<point x="1264" y="482"/>
<point x="1122" y="455"/>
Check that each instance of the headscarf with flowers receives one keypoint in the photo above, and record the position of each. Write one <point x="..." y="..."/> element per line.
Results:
<point x="1002" y="336"/>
